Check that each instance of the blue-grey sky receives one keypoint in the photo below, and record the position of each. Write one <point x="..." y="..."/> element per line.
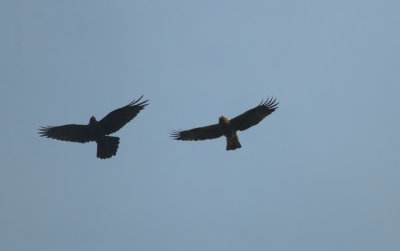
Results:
<point x="320" y="173"/>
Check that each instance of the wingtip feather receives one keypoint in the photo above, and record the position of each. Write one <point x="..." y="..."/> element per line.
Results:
<point x="136" y="102"/>
<point x="175" y="134"/>
<point x="43" y="131"/>
<point x="270" y="103"/>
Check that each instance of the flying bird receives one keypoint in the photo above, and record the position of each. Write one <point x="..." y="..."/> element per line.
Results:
<point x="228" y="127"/>
<point x="97" y="131"/>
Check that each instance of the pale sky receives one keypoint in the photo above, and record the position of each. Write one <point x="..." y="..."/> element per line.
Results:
<point x="320" y="173"/>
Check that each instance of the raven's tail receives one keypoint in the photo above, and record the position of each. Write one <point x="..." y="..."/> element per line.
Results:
<point x="232" y="142"/>
<point x="107" y="147"/>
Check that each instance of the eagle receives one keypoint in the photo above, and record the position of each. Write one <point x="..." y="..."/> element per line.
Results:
<point x="228" y="127"/>
<point x="97" y="131"/>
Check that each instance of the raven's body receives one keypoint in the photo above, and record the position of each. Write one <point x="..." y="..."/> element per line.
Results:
<point x="107" y="146"/>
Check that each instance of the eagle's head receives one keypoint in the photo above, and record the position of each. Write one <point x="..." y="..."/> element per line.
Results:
<point x="223" y="120"/>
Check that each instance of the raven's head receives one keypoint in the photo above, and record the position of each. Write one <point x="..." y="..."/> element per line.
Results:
<point x="92" y="120"/>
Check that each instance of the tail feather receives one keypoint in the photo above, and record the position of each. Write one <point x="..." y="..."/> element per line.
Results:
<point x="107" y="147"/>
<point x="232" y="142"/>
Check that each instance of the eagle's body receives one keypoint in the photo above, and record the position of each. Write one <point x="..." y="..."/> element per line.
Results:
<point x="97" y="131"/>
<point x="232" y="140"/>
<point x="228" y="127"/>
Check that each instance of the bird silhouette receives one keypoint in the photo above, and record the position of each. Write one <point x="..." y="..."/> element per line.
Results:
<point x="97" y="131"/>
<point x="228" y="127"/>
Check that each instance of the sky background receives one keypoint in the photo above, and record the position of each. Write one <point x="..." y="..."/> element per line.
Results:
<point x="320" y="173"/>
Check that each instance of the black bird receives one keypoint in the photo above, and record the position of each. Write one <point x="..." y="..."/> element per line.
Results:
<point x="228" y="127"/>
<point x="97" y="131"/>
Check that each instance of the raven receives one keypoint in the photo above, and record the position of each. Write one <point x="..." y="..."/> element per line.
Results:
<point x="97" y="131"/>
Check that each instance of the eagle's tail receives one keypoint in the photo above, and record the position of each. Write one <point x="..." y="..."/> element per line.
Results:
<point x="232" y="142"/>
<point x="107" y="147"/>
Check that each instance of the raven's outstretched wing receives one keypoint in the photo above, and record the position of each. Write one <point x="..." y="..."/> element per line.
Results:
<point x="72" y="132"/>
<point x="116" y="119"/>
<point x="200" y="133"/>
<point x="254" y="116"/>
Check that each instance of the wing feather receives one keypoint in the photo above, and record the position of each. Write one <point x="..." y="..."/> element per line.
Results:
<point x="71" y="132"/>
<point x="199" y="133"/>
<point x="116" y="119"/>
<point x="254" y="116"/>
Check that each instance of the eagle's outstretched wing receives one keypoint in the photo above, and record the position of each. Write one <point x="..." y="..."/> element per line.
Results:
<point x="254" y="116"/>
<point x="200" y="133"/>
<point x="71" y="132"/>
<point x="116" y="119"/>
